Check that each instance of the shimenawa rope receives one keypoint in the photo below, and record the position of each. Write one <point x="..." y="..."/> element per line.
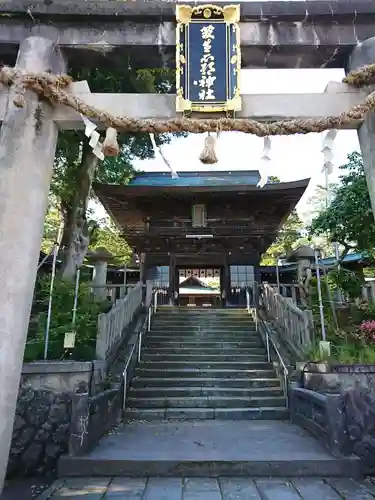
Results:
<point x="54" y="88"/>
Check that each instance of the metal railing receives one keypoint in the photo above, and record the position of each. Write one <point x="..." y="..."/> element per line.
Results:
<point x="160" y="298"/>
<point x="264" y="331"/>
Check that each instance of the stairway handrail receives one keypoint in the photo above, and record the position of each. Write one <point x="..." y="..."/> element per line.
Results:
<point x="296" y="324"/>
<point x="151" y="306"/>
<point x="259" y="322"/>
<point x="111" y="325"/>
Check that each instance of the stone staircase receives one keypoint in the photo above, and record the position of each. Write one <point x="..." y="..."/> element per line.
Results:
<point x="204" y="402"/>
<point x="204" y="364"/>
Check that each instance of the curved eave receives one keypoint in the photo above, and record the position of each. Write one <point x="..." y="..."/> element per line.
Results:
<point x="117" y="191"/>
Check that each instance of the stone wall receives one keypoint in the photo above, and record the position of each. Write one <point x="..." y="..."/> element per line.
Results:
<point x="326" y="378"/>
<point x="40" y="432"/>
<point x="351" y="410"/>
<point x="356" y="415"/>
<point x="62" y="376"/>
<point x="41" y="429"/>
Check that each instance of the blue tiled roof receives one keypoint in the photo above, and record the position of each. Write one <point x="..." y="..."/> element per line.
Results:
<point x="250" y="177"/>
<point x="351" y="257"/>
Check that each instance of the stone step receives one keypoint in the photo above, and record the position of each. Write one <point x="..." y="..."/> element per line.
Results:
<point x="191" y="330"/>
<point x="194" y="316"/>
<point x="202" y="335"/>
<point x="201" y="357"/>
<point x="174" y="344"/>
<point x="232" y="401"/>
<point x="225" y="334"/>
<point x="215" y="448"/>
<point x="203" y="372"/>
<point x="238" y="318"/>
<point x="241" y="413"/>
<point x="198" y="351"/>
<point x="175" y="311"/>
<point x="176" y="392"/>
<point x="205" y="364"/>
<point x="239" y="382"/>
<point x="203" y="338"/>
<point x="219" y="324"/>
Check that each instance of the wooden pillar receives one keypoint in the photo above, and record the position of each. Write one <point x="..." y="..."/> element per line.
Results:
<point x="27" y="147"/>
<point x="257" y="276"/>
<point x="142" y="267"/>
<point x="172" y="279"/>
<point x="225" y="286"/>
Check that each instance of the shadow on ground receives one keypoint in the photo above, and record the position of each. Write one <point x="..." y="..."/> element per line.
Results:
<point x="25" y="489"/>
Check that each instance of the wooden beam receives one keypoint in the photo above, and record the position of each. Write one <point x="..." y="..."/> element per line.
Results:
<point x="337" y="99"/>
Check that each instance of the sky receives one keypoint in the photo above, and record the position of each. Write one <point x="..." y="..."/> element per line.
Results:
<point x="292" y="157"/>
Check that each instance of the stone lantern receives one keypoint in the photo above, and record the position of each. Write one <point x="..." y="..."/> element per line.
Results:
<point x="304" y="256"/>
<point x="100" y="258"/>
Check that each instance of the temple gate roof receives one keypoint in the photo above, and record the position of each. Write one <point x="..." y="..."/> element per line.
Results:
<point x="154" y="212"/>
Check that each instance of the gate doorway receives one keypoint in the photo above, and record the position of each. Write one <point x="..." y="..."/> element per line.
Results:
<point x="199" y="287"/>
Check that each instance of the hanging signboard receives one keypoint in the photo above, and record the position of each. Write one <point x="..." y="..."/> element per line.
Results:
<point x="208" y="58"/>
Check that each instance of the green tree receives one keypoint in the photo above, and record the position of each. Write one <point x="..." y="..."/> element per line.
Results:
<point x="51" y="225"/>
<point x="273" y="179"/>
<point x="288" y="238"/>
<point x="76" y="167"/>
<point x="349" y="219"/>
<point x="109" y="237"/>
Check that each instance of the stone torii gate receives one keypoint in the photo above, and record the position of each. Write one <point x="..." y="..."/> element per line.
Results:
<point x="48" y="35"/>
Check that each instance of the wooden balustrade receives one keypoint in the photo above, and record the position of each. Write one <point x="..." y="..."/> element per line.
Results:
<point x="292" y="291"/>
<point x="368" y="292"/>
<point x="112" y="324"/>
<point x="289" y="290"/>
<point x="295" y="324"/>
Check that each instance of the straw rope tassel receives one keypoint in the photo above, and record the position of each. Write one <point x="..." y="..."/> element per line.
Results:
<point x="208" y="155"/>
<point x="110" y="144"/>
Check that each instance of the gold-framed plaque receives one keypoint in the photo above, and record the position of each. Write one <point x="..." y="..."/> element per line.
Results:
<point x="208" y="58"/>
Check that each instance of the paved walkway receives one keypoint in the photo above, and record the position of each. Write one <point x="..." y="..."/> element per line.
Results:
<point x="209" y="448"/>
<point x="209" y="489"/>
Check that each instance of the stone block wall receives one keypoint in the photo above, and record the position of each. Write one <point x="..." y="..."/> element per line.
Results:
<point x="351" y="411"/>
<point x="41" y="431"/>
<point x="42" y="422"/>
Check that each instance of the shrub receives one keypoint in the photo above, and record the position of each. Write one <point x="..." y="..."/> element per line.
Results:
<point x="368" y="330"/>
<point x="347" y="281"/>
<point x="88" y="310"/>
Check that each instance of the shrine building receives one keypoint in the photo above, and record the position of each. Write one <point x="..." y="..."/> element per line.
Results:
<point x="202" y="224"/>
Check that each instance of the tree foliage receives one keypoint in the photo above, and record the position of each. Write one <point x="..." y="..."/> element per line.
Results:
<point x="61" y="321"/>
<point x="288" y="238"/>
<point x="349" y="219"/>
<point x="109" y="237"/>
<point x="75" y="167"/>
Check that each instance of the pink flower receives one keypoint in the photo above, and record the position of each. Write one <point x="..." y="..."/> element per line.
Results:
<point x="368" y="329"/>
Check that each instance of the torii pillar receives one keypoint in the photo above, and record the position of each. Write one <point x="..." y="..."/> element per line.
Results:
<point x="28" y="138"/>
<point x="362" y="55"/>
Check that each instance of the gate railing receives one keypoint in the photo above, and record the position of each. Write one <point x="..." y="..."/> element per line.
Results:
<point x="111" y="325"/>
<point x="295" y="324"/>
<point x="262" y="327"/>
